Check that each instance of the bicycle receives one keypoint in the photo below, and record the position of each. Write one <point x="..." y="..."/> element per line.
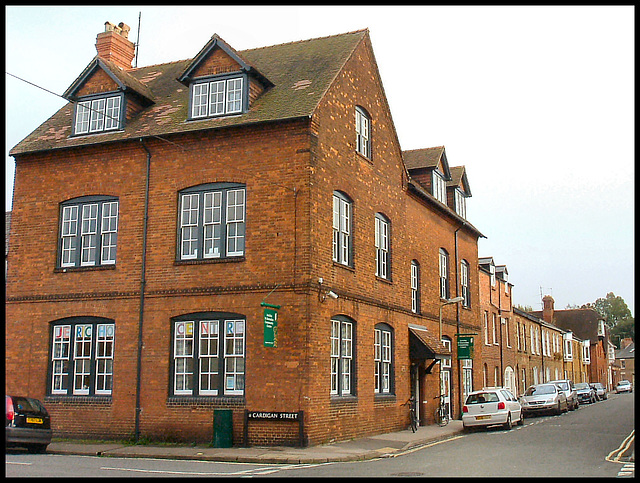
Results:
<point x="441" y="414"/>
<point x="412" y="414"/>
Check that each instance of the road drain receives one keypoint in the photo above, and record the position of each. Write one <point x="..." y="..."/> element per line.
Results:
<point x="407" y="473"/>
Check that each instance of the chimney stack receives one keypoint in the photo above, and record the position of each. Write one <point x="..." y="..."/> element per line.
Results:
<point x="547" y="308"/>
<point x="113" y="45"/>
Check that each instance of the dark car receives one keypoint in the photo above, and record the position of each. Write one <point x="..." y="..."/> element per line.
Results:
<point x="586" y="394"/>
<point x="601" y="391"/>
<point x="27" y="424"/>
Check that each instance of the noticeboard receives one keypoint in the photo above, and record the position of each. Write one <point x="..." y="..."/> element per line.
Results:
<point x="270" y="325"/>
<point x="465" y="347"/>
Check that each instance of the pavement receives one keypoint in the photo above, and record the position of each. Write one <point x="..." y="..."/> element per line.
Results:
<point x="379" y="446"/>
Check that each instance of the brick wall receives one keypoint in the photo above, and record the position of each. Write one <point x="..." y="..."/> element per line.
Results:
<point x="290" y="170"/>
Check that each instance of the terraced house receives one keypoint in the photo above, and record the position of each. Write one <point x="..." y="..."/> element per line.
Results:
<point x="236" y="232"/>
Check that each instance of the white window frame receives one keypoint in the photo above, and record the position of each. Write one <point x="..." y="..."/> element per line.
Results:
<point x="209" y="356"/>
<point x="234" y="357"/>
<point x="382" y="361"/>
<point x="88" y="233"/>
<point x="212" y="222"/>
<point x="415" y="287"/>
<point x="382" y="226"/>
<point x="444" y="273"/>
<point x="98" y="115"/>
<point x="105" y="339"/>
<point x="363" y="129"/>
<point x="494" y="329"/>
<point x="183" y="347"/>
<point x="342" y="358"/>
<point x="82" y="358"/>
<point x="464" y="284"/>
<point x="460" y="201"/>
<point x="485" y="318"/>
<point x="217" y="97"/>
<point x="439" y="186"/>
<point x="341" y="230"/>
<point x="60" y="355"/>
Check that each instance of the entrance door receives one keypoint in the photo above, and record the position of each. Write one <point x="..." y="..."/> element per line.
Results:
<point x="445" y="389"/>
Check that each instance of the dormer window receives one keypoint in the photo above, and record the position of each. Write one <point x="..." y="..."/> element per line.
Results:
<point x="460" y="202"/>
<point x="99" y="114"/>
<point x="217" y="97"/>
<point x="439" y="187"/>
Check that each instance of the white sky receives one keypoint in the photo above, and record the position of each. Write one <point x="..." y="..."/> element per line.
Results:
<point x="536" y="101"/>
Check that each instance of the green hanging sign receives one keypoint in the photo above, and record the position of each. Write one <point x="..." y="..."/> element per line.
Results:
<point x="465" y="347"/>
<point x="270" y="324"/>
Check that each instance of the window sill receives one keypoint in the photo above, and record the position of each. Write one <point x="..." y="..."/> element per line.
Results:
<point x="84" y="269"/>
<point x="205" y="401"/>
<point x="385" y="280"/>
<point x="209" y="260"/>
<point x="363" y="157"/>
<point x="346" y="267"/>
<point x="348" y="399"/>
<point x="78" y="400"/>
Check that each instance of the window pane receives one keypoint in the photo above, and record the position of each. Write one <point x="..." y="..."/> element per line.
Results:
<point x="200" y="100"/>
<point x="112" y="115"/>
<point x="234" y="95"/>
<point x="97" y="115"/>
<point x="83" y="114"/>
<point x="216" y="103"/>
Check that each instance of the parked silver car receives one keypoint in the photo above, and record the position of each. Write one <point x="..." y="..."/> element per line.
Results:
<point x="542" y="398"/>
<point x="566" y="385"/>
<point x="601" y="391"/>
<point x="623" y="386"/>
<point x="491" y="406"/>
<point x="586" y="394"/>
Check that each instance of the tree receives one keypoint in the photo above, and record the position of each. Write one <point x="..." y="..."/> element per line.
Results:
<point x="613" y="308"/>
<point x="617" y="316"/>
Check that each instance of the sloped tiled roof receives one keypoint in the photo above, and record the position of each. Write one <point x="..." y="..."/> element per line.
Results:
<point x="422" y="158"/>
<point x="300" y="71"/>
<point x="582" y="322"/>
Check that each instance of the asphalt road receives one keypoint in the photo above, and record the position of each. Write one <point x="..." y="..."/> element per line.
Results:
<point x="593" y="441"/>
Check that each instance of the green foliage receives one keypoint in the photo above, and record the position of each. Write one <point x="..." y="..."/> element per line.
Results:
<point x="617" y="316"/>
<point x="613" y="308"/>
<point x="524" y="308"/>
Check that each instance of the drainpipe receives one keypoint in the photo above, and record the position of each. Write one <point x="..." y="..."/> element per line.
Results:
<point x="143" y="282"/>
<point x="460" y="380"/>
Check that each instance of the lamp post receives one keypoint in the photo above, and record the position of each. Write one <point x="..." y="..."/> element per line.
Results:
<point x="454" y="300"/>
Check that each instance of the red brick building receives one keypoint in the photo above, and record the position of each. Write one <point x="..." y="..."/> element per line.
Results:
<point x="157" y="213"/>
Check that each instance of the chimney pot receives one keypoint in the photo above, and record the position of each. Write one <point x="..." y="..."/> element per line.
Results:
<point x="113" y="45"/>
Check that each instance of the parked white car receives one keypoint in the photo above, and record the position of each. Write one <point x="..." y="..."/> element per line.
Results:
<point x="623" y="386"/>
<point x="491" y="406"/>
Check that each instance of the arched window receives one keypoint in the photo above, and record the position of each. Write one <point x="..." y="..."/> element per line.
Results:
<point x="82" y="356"/>
<point x="342" y="356"/>
<point x="415" y="287"/>
<point x="208" y="354"/>
<point x="464" y="284"/>
<point x="88" y="232"/>
<point x="212" y="221"/>
<point x="382" y="242"/>
<point x="444" y="273"/>
<point x="383" y="359"/>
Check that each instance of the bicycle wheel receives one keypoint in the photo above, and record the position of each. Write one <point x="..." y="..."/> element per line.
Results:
<point x="414" y="423"/>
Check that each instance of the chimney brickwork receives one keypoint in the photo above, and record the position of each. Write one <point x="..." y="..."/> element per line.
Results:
<point x="547" y="308"/>
<point x="113" y="45"/>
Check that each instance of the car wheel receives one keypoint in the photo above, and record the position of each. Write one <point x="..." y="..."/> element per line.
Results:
<point x="508" y="424"/>
<point x="521" y="420"/>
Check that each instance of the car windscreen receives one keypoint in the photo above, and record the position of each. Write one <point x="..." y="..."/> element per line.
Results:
<point x="563" y="385"/>
<point x="482" y="397"/>
<point x="540" y="390"/>
<point x="581" y="385"/>
<point x="26" y="405"/>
